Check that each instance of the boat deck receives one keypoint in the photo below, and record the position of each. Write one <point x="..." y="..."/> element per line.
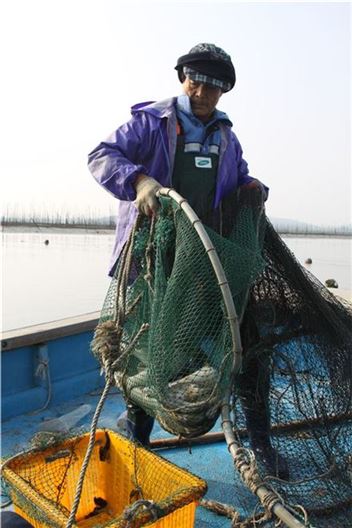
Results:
<point x="211" y="462"/>
<point x="73" y="380"/>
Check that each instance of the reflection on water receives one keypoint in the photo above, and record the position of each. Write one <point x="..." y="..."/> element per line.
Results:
<point x="68" y="276"/>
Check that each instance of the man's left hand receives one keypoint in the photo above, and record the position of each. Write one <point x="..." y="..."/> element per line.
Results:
<point x="256" y="184"/>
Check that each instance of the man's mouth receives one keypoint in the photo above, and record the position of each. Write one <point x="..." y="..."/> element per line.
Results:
<point x="199" y="105"/>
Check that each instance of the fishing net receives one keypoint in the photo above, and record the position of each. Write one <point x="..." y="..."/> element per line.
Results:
<point x="306" y="333"/>
<point x="175" y="355"/>
<point x="165" y="332"/>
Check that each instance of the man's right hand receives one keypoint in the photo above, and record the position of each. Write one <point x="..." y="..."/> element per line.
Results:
<point x="146" y="200"/>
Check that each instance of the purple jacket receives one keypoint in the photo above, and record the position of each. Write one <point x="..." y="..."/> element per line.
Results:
<point x="147" y="144"/>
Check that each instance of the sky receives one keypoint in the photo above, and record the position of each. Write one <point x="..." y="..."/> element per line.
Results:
<point x="73" y="68"/>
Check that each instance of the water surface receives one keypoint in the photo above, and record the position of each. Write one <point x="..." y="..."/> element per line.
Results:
<point x="68" y="277"/>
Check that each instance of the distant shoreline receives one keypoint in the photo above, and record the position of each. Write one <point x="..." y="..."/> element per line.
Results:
<point x="58" y="228"/>
<point x="310" y="234"/>
<point x="108" y="230"/>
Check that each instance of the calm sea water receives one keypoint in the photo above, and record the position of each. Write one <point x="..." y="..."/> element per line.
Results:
<point x="68" y="277"/>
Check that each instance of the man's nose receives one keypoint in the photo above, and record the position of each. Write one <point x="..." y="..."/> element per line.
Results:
<point x="201" y="89"/>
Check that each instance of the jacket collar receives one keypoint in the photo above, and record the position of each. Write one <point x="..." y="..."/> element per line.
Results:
<point x="159" y="109"/>
<point x="184" y="106"/>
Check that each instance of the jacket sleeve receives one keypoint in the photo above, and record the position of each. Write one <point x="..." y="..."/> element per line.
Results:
<point x="242" y="168"/>
<point x="116" y="162"/>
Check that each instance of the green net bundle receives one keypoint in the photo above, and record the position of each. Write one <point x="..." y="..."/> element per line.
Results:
<point x="176" y="356"/>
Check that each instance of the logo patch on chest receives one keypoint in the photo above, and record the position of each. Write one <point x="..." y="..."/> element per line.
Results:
<point x="202" y="162"/>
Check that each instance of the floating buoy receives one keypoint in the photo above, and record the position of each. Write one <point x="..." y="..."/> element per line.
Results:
<point x="331" y="283"/>
<point x="46" y="242"/>
<point x="308" y="261"/>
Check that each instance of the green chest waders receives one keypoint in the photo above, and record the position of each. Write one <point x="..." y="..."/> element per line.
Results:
<point x="194" y="178"/>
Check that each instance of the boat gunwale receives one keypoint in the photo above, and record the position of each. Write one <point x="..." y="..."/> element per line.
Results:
<point x="42" y="333"/>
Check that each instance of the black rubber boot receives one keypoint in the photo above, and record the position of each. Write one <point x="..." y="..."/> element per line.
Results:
<point x="265" y="453"/>
<point x="139" y="424"/>
<point x="257" y="414"/>
<point x="10" y="519"/>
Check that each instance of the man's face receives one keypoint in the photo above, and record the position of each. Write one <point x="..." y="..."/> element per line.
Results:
<point x="203" y="97"/>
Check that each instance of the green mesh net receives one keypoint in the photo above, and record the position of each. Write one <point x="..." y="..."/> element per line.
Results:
<point x="175" y="358"/>
<point x="165" y="334"/>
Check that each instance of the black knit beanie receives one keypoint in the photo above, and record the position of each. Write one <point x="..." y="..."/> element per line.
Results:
<point x="208" y="60"/>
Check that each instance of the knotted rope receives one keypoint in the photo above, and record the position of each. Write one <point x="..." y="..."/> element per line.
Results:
<point x="143" y="504"/>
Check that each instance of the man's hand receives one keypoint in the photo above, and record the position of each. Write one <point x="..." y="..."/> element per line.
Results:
<point x="146" y="200"/>
<point x="256" y="184"/>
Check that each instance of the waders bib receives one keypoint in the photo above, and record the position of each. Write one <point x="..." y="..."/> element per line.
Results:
<point x="194" y="178"/>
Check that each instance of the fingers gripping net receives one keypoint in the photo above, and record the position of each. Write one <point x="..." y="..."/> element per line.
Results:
<point x="175" y="355"/>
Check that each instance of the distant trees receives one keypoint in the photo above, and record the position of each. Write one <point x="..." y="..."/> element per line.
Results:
<point x="89" y="218"/>
<point x="300" y="228"/>
<point x="93" y="218"/>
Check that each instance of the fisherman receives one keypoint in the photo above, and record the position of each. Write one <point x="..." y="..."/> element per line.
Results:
<point x="186" y="143"/>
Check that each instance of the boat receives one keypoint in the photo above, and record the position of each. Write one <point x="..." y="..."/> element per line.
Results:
<point x="48" y="371"/>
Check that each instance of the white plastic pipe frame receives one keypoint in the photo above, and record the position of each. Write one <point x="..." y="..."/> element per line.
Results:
<point x="278" y="509"/>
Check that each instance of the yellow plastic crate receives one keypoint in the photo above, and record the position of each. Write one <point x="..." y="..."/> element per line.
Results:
<point x="43" y="485"/>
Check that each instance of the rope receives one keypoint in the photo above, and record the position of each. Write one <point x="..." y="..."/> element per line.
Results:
<point x="72" y="517"/>
<point x="330" y="472"/>
<point x="221" y="509"/>
<point x="109" y="365"/>
<point x="43" y="371"/>
<point x="148" y="505"/>
<point x="245" y="462"/>
<point x="231" y="513"/>
<point x="300" y="509"/>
